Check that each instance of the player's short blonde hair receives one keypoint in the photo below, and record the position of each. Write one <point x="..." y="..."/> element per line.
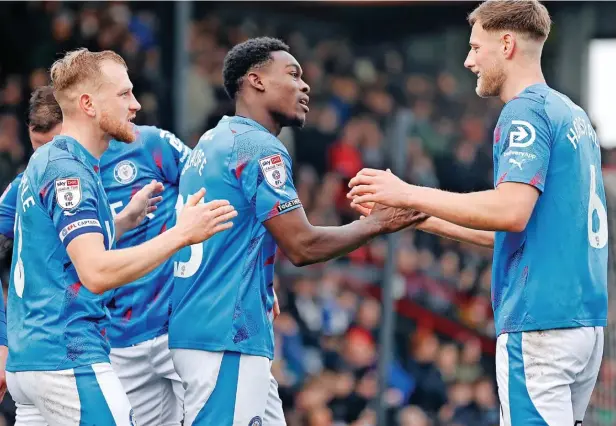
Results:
<point x="525" y="16"/>
<point x="79" y="66"/>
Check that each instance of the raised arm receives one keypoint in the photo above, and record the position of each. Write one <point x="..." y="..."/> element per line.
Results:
<point x="101" y="270"/>
<point x="305" y="244"/>
<point x="442" y="228"/>
<point x="521" y="165"/>
<point x="507" y="208"/>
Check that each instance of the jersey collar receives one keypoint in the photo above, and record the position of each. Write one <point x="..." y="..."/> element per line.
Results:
<point x="247" y="121"/>
<point x="80" y="152"/>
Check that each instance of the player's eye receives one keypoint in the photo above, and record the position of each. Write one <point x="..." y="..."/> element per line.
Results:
<point x="295" y="74"/>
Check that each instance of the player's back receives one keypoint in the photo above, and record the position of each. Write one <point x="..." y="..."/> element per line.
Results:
<point x="140" y="310"/>
<point x="554" y="273"/>
<point x="223" y="292"/>
<point x="54" y="322"/>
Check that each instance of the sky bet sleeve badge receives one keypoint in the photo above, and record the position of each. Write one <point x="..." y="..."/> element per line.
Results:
<point x="68" y="193"/>
<point x="274" y="170"/>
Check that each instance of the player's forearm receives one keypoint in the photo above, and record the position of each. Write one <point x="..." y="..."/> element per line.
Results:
<point x="120" y="225"/>
<point x="119" y="228"/>
<point x="485" y="210"/>
<point x="328" y="242"/>
<point x="114" y="268"/>
<point x="442" y="228"/>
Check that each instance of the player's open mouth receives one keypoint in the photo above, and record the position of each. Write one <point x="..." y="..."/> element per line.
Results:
<point x="304" y="104"/>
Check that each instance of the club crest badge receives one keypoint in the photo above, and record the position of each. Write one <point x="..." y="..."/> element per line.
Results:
<point x="125" y="172"/>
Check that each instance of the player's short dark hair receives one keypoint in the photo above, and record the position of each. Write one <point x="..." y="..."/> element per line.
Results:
<point x="525" y="16"/>
<point x="245" y="56"/>
<point x="44" y="112"/>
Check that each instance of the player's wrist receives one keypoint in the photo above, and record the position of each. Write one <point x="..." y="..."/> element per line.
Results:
<point x="178" y="237"/>
<point x="427" y="225"/>
<point x="120" y="223"/>
<point x="412" y="196"/>
<point x="375" y="226"/>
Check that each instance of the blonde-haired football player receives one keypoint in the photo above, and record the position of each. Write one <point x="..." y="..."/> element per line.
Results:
<point x="63" y="253"/>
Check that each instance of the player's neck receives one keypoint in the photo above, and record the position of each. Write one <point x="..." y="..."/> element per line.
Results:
<point x="520" y="80"/>
<point x="92" y="139"/>
<point x="258" y="114"/>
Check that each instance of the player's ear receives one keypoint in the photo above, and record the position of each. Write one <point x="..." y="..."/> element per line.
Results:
<point x="508" y="43"/>
<point x="86" y="103"/>
<point x="254" y="79"/>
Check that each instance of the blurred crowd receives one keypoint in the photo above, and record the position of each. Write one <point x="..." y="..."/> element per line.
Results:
<point x="56" y="27"/>
<point x="327" y="337"/>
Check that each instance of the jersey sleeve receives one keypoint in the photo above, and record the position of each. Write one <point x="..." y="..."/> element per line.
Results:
<point x="8" y="201"/>
<point x="169" y="153"/>
<point x="526" y="143"/>
<point x="69" y="192"/>
<point x="263" y="168"/>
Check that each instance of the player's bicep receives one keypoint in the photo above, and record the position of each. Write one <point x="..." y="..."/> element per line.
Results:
<point x="84" y="251"/>
<point x="289" y="230"/>
<point x="520" y="199"/>
<point x="527" y="141"/>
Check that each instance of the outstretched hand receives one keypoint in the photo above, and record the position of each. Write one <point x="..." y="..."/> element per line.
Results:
<point x="378" y="186"/>
<point x="393" y="219"/>
<point x="380" y="195"/>
<point x="198" y="221"/>
<point x="364" y="209"/>
<point x="141" y="204"/>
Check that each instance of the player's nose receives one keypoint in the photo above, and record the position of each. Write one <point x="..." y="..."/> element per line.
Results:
<point x="469" y="62"/>
<point x="135" y="105"/>
<point x="305" y="88"/>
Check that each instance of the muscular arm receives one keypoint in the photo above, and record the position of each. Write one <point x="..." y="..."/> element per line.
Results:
<point x="442" y="228"/>
<point x="101" y="270"/>
<point x="507" y="208"/>
<point x="305" y="244"/>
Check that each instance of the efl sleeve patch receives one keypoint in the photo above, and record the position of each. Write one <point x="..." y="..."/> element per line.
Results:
<point x="274" y="170"/>
<point x="80" y="227"/>
<point x="68" y="193"/>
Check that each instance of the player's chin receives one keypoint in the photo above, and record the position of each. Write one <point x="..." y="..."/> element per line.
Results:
<point x="124" y="134"/>
<point x="122" y="131"/>
<point x="482" y="92"/>
<point x="297" y="120"/>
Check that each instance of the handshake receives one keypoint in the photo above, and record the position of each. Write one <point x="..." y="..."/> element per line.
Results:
<point x="381" y="196"/>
